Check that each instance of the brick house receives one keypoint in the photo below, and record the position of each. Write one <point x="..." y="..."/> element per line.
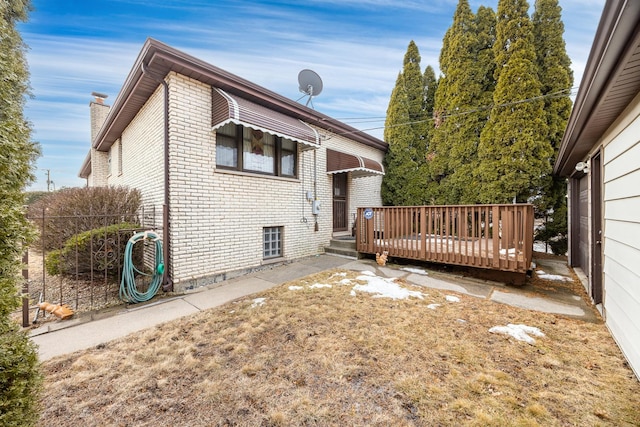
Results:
<point x="244" y="177"/>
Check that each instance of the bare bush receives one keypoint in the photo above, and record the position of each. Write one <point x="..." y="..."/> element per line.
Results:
<point x="68" y="212"/>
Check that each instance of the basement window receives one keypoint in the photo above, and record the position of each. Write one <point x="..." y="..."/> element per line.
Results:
<point x="272" y="242"/>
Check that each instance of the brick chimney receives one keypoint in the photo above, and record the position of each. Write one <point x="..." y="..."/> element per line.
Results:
<point x="98" y="112"/>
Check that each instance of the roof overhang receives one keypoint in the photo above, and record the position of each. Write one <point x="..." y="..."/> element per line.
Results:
<point x="160" y="59"/>
<point x="611" y="81"/>
<point x="85" y="169"/>
<point x="339" y="162"/>
<point x="228" y="108"/>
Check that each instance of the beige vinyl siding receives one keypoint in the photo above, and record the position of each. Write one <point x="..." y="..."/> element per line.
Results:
<point x="622" y="233"/>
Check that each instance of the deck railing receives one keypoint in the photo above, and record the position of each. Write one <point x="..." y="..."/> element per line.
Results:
<point x="498" y="237"/>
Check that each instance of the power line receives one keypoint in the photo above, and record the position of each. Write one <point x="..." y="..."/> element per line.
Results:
<point x="559" y="94"/>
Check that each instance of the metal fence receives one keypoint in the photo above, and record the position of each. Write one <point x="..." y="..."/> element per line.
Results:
<point x="80" y="265"/>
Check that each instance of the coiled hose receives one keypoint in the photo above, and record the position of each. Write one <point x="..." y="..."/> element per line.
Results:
<point x="128" y="290"/>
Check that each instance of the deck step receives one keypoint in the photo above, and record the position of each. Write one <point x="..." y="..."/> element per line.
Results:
<point x="343" y="247"/>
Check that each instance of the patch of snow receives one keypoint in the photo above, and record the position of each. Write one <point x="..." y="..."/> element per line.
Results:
<point x="541" y="274"/>
<point x="343" y="274"/>
<point x="541" y="247"/>
<point x="368" y="273"/>
<point x="258" y="302"/>
<point x="511" y="251"/>
<point x="452" y="298"/>
<point x="461" y="321"/>
<point x="319" y="285"/>
<point x="415" y="270"/>
<point x="295" y="288"/>
<point x="345" y="281"/>
<point x="519" y="332"/>
<point x="384" y="288"/>
<point x="433" y="306"/>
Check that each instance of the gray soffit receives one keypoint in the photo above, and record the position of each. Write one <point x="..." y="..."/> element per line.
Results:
<point x="611" y="80"/>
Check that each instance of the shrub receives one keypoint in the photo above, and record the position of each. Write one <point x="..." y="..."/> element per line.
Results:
<point x="71" y="211"/>
<point x="20" y="378"/>
<point x="94" y="251"/>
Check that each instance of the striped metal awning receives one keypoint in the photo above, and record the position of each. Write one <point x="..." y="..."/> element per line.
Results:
<point x="227" y="108"/>
<point x="339" y="162"/>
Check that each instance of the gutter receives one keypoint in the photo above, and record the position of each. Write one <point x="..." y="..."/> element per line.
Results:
<point x="167" y="281"/>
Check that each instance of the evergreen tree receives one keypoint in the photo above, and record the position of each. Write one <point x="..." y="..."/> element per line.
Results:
<point x="554" y="68"/>
<point x="430" y="88"/>
<point x="19" y="375"/>
<point x="405" y="132"/>
<point x="556" y="78"/>
<point x="514" y="152"/>
<point x="466" y="87"/>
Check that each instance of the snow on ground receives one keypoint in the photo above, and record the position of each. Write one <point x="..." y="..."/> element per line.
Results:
<point x="258" y="302"/>
<point x="383" y="288"/>
<point x="415" y="270"/>
<point x="541" y="247"/>
<point x="541" y="274"/>
<point x="519" y="332"/>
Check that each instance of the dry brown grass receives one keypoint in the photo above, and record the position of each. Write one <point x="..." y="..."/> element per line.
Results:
<point x="324" y="357"/>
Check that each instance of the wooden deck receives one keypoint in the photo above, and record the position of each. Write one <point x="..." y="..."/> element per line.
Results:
<point x="495" y="237"/>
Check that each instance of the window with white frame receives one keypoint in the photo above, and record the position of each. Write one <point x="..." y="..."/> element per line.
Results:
<point x="243" y="148"/>
<point x="272" y="242"/>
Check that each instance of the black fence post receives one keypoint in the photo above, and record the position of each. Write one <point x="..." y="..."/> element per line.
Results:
<point x="25" y="288"/>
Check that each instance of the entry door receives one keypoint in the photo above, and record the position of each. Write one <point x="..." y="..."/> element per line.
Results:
<point x="340" y="219"/>
<point x="596" y="229"/>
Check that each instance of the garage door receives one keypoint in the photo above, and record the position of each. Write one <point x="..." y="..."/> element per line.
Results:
<point x="583" y="228"/>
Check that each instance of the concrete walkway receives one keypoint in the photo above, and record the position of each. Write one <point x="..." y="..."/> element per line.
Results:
<point x="83" y="332"/>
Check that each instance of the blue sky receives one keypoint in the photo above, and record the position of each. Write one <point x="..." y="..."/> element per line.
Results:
<point x="356" y="46"/>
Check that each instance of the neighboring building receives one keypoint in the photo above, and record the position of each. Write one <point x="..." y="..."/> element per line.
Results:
<point x="600" y="155"/>
<point x="245" y="177"/>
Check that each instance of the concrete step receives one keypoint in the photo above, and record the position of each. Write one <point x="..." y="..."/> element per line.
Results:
<point x="343" y="243"/>
<point x="343" y="247"/>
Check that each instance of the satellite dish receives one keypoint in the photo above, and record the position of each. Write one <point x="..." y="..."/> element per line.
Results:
<point x="310" y="84"/>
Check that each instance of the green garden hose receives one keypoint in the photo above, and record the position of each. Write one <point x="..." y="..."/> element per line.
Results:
<point x="128" y="290"/>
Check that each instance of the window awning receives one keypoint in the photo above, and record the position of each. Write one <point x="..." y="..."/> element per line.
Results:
<point x="338" y="162"/>
<point x="228" y="108"/>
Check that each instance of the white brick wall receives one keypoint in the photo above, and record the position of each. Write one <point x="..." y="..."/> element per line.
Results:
<point x="217" y="216"/>
<point x="143" y="155"/>
<point x="362" y="191"/>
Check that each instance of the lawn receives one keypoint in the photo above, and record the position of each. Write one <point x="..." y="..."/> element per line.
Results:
<point x="346" y="348"/>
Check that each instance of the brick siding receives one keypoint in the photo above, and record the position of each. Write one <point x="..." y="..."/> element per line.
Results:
<point x="217" y="216"/>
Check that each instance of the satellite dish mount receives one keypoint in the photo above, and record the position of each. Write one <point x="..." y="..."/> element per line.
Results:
<point x="310" y="84"/>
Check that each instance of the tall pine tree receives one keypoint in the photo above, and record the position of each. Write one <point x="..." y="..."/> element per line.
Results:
<point x="405" y="132"/>
<point x="514" y="152"/>
<point x="466" y="86"/>
<point x="430" y="88"/>
<point x="556" y="78"/>
<point x="19" y="375"/>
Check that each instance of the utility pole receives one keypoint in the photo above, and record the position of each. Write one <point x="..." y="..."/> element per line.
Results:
<point x="49" y="182"/>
